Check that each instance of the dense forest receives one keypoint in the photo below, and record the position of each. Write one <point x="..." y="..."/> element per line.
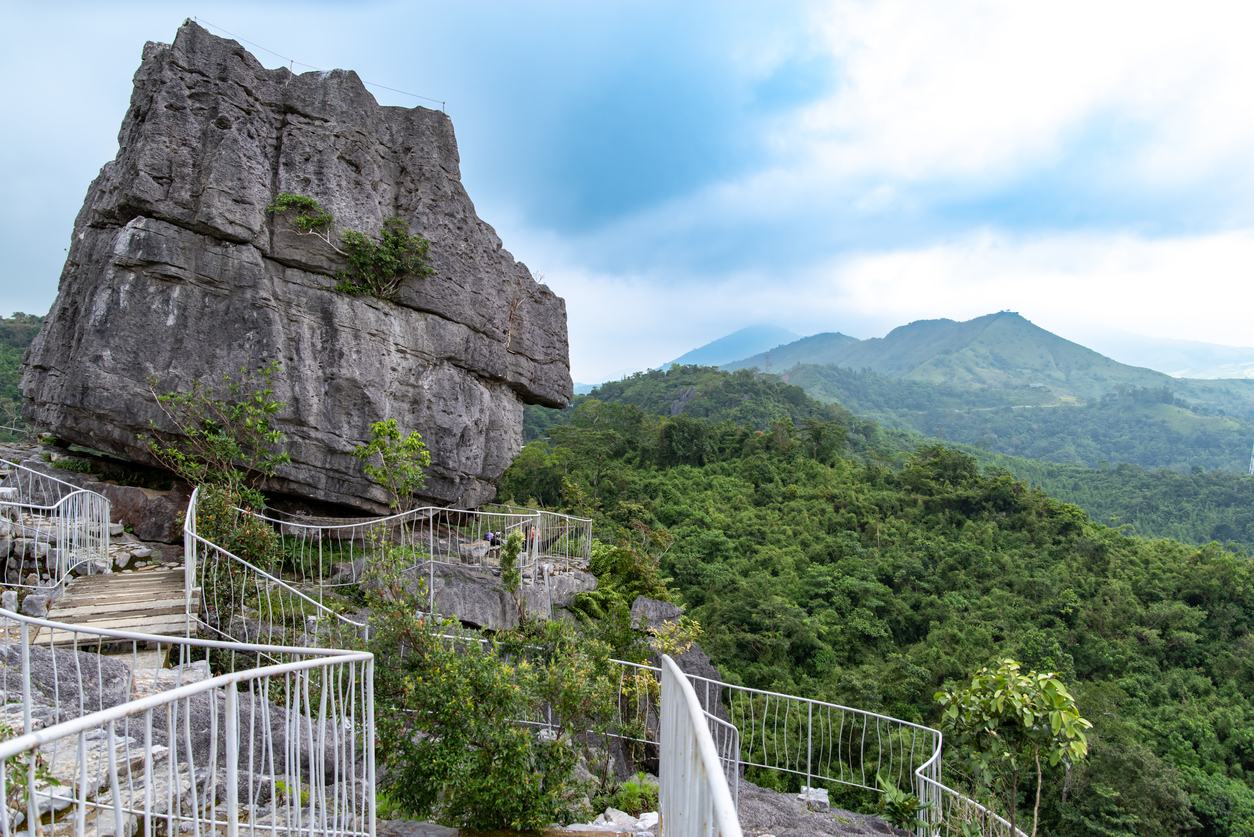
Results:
<point x="822" y="560"/>
<point x="1196" y="506"/>
<point x="1150" y="427"/>
<point x="16" y="334"/>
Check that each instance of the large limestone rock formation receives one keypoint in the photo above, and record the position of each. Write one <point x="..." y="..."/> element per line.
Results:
<point x="176" y="271"/>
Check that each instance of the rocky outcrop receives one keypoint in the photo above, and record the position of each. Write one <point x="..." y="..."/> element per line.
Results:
<point x="477" y="597"/>
<point x="176" y="271"/>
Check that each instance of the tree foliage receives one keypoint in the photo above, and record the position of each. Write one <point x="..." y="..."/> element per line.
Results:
<point x="891" y="570"/>
<point x="1005" y="721"/>
<point x="402" y="459"/>
<point x="446" y="707"/>
<point x="225" y="437"/>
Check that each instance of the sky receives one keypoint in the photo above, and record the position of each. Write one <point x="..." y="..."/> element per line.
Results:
<point x="679" y="170"/>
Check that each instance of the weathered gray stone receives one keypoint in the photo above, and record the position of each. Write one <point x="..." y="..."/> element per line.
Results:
<point x="650" y="613"/>
<point x="473" y="553"/>
<point x="8" y="600"/>
<point x="563" y="587"/>
<point x="762" y="810"/>
<point x="35" y="605"/>
<point x="173" y="251"/>
<point x="152" y="515"/>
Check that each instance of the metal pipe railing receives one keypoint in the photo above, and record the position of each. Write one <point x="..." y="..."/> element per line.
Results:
<point x="239" y="600"/>
<point x="129" y="733"/>
<point x="814" y="740"/>
<point x="56" y="527"/>
<point x="694" y="799"/>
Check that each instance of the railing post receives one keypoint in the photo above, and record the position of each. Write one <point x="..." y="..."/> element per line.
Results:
<point x="809" y="743"/>
<point x="368" y="688"/>
<point x="232" y="761"/>
<point x="189" y="558"/>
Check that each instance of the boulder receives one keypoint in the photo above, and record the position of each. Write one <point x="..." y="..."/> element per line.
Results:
<point x="177" y="271"/>
<point x="152" y="515"/>
<point x="36" y="605"/>
<point x="649" y="613"/>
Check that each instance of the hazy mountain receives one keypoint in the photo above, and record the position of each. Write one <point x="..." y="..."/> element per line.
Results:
<point x="1178" y="358"/>
<point x="998" y="351"/>
<point x="829" y="347"/>
<point x="742" y="343"/>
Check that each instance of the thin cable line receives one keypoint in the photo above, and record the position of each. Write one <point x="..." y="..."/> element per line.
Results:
<point x="292" y="62"/>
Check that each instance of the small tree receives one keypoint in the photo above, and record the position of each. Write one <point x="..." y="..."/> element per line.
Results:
<point x="374" y="268"/>
<point x="511" y="575"/>
<point x="1005" y="721"/>
<point x="447" y="705"/>
<point x="378" y="269"/>
<point x="401" y="460"/>
<point x="225" y="438"/>
<point x="225" y="442"/>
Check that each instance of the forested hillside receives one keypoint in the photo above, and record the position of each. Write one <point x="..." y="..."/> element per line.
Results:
<point x="1197" y="508"/>
<point x="1192" y="504"/>
<point x="1152" y="428"/>
<point x="16" y="334"/>
<point x="818" y="567"/>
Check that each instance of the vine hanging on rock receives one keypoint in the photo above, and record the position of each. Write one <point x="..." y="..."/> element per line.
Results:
<point x="375" y="268"/>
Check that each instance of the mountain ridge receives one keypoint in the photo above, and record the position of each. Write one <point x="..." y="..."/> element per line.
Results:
<point x="997" y="351"/>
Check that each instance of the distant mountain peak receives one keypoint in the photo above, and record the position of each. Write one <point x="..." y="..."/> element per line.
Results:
<point x="746" y="341"/>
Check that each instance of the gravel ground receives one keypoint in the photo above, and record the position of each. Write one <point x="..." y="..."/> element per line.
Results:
<point x="762" y="812"/>
<point x="765" y="811"/>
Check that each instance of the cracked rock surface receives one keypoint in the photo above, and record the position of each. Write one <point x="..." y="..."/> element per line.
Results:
<point x="175" y="270"/>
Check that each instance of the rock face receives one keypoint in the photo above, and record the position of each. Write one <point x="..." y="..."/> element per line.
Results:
<point x="176" y="271"/>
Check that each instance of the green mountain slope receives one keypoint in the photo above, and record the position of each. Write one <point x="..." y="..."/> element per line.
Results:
<point x="746" y="341"/>
<point x="1193" y="503"/>
<point x="999" y="351"/>
<point x="830" y="347"/>
<point x="1152" y="428"/>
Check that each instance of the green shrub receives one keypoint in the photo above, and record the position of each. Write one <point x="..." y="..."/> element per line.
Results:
<point x="635" y="796"/>
<point x="447" y="738"/>
<point x="374" y="268"/>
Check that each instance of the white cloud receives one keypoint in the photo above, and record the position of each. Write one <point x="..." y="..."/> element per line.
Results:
<point x="1193" y="288"/>
<point x="974" y="88"/>
<point x="1189" y="288"/>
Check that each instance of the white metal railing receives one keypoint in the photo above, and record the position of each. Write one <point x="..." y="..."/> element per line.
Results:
<point x="813" y="740"/>
<point x="694" y="799"/>
<point x="55" y="527"/>
<point x="124" y="733"/>
<point x="230" y="597"/>
<point x="320" y="559"/>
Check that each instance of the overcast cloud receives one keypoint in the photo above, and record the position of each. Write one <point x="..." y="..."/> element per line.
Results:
<point x="679" y="174"/>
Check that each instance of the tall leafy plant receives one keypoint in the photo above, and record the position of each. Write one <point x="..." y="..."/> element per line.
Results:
<point x="395" y="460"/>
<point x="1006" y="721"/>
<point x="225" y="441"/>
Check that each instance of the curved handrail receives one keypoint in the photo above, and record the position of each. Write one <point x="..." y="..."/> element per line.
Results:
<point x="694" y="799"/>
<point x="290" y="744"/>
<point x="194" y="565"/>
<point x="77" y="521"/>
<point x="13" y="746"/>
